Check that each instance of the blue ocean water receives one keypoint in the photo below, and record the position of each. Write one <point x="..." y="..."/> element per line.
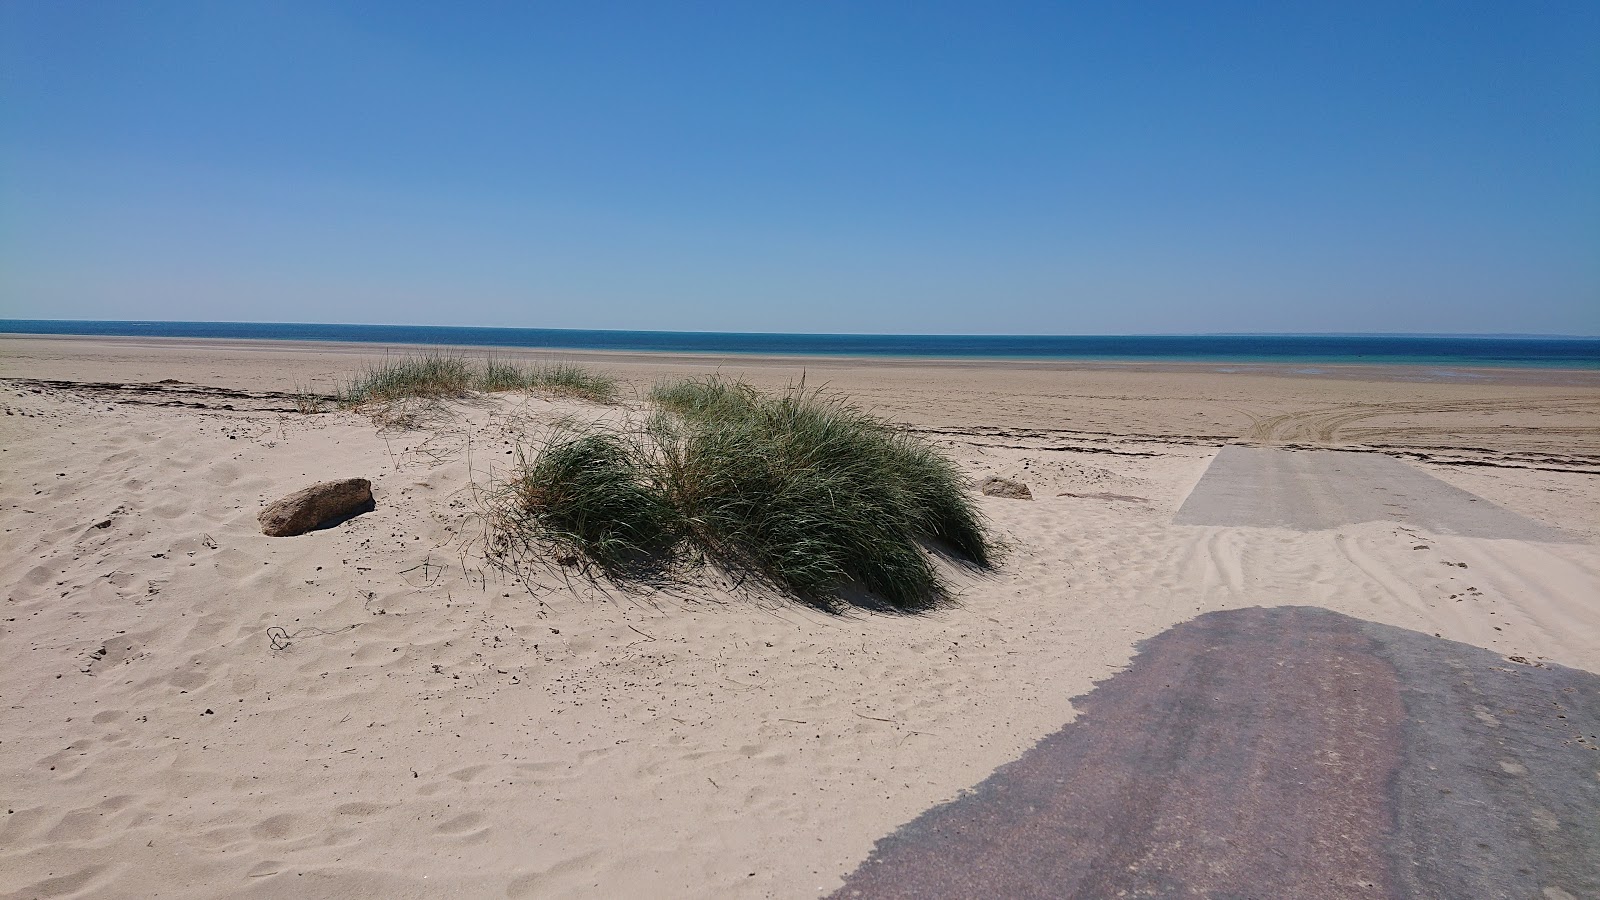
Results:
<point x="1295" y="349"/>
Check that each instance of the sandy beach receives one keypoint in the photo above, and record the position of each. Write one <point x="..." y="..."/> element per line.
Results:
<point x="193" y="709"/>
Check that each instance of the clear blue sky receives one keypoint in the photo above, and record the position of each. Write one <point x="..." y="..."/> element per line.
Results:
<point x="809" y="166"/>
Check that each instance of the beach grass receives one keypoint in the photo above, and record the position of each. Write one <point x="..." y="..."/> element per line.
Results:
<point x="307" y="401"/>
<point x="569" y="380"/>
<point x="705" y="399"/>
<point x="804" y="489"/>
<point x="498" y="375"/>
<point x="592" y="493"/>
<point x="441" y="375"/>
<point x="428" y="375"/>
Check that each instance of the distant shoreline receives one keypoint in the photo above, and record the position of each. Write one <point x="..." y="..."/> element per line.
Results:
<point x="12" y="343"/>
<point x="1451" y="355"/>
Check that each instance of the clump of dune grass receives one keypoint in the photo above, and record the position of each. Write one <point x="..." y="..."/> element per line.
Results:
<point x="559" y="379"/>
<point x="501" y="376"/>
<point x="706" y="398"/>
<point x="307" y="401"/>
<point x="813" y="494"/>
<point x="593" y="493"/>
<point x="439" y="376"/>
<point x="427" y="375"/>
<point x="568" y="380"/>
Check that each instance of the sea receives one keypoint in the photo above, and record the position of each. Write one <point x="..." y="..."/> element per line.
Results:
<point x="1428" y="350"/>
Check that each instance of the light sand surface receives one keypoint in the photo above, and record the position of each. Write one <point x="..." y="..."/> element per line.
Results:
<point x="432" y="724"/>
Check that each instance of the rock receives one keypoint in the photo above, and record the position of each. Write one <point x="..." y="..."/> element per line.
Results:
<point x="316" y="505"/>
<point x="1005" y="487"/>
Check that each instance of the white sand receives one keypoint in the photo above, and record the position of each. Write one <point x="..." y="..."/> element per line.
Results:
<point x="436" y="727"/>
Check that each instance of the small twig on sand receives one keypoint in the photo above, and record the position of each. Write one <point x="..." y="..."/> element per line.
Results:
<point x="895" y="724"/>
<point x="279" y="638"/>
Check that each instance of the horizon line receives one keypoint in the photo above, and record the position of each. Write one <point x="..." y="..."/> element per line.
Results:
<point x="1176" y="334"/>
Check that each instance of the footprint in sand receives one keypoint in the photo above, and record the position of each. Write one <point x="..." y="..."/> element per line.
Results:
<point x="281" y="827"/>
<point x="72" y="884"/>
<point x="360" y="809"/>
<point x="462" y="824"/>
<point x="530" y="884"/>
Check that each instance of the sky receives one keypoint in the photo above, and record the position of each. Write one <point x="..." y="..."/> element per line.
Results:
<point x="926" y="167"/>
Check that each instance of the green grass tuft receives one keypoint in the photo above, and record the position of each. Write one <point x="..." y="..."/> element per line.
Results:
<point x="706" y="398"/>
<point x="817" y="494"/>
<point x="809" y="491"/>
<point x="591" y="492"/>
<point x="437" y="376"/>
<point x="501" y="376"/>
<point x="428" y="375"/>
<point x="570" y="380"/>
<point x="307" y="401"/>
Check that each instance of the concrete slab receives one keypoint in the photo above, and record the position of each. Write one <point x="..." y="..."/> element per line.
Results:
<point x="1314" y="490"/>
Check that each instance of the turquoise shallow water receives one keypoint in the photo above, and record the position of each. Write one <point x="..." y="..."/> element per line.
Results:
<point x="1294" y="349"/>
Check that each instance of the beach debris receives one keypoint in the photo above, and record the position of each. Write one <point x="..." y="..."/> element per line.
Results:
<point x="279" y="638"/>
<point x="1005" y="487"/>
<point x="316" y="505"/>
<point x="1102" y="495"/>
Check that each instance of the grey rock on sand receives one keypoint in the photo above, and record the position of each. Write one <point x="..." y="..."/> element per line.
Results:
<point x="305" y="509"/>
<point x="1005" y="487"/>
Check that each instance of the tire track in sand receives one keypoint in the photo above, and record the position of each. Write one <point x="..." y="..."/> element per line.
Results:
<point x="1509" y="430"/>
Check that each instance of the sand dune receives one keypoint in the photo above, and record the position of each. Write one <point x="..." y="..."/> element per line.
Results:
<point x="193" y="709"/>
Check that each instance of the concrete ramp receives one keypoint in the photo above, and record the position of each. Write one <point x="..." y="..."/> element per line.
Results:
<point x="1314" y="490"/>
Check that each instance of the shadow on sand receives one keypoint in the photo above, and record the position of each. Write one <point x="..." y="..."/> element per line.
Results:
<point x="1285" y="752"/>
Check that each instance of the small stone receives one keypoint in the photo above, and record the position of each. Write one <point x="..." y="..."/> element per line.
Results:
<point x="313" y="506"/>
<point x="1005" y="487"/>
